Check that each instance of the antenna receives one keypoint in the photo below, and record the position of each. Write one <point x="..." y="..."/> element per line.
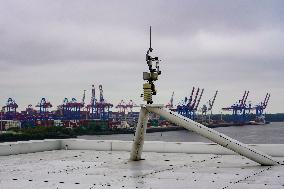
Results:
<point x="150" y="38"/>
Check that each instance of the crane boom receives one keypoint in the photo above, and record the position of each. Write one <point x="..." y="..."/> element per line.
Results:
<point x="198" y="101"/>
<point x="195" y="98"/>
<point x="266" y="96"/>
<point x="101" y="93"/>
<point x="242" y="101"/>
<point x="212" y="102"/>
<point x="172" y="100"/>
<point x="93" y="98"/>
<point x="190" y="98"/>
<point x="84" y="97"/>
<point x="245" y="100"/>
<point x="266" y="100"/>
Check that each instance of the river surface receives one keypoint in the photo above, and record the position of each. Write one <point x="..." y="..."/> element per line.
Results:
<point x="272" y="133"/>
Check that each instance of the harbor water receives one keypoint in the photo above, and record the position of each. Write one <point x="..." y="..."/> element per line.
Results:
<point x="272" y="133"/>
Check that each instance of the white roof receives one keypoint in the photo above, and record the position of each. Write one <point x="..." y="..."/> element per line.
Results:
<point x="112" y="169"/>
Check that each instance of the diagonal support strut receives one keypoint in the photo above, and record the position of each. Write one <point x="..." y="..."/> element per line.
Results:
<point x="200" y="129"/>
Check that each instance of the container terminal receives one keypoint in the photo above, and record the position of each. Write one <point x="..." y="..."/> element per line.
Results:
<point x="75" y="113"/>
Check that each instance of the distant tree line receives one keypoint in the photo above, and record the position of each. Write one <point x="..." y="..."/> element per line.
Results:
<point x="55" y="132"/>
<point x="36" y="133"/>
<point x="279" y="117"/>
<point x="275" y="117"/>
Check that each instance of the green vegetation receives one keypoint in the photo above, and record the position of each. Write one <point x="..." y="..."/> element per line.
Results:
<point x="154" y="122"/>
<point x="92" y="128"/>
<point x="52" y="132"/>
<point x="36" y="133"/>
<point x="279" y="117"/>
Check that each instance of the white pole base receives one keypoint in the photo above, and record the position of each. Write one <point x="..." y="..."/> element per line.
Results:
<point x="138" y="142"/>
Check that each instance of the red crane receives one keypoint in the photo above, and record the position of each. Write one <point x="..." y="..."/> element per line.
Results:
<point x="131" y="105"/>
<point x="122" y="106"/>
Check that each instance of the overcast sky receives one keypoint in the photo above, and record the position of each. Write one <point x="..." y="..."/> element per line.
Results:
<point x="56" y="49"/>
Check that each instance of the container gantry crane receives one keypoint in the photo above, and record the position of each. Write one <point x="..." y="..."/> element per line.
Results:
<point x="125" y="110"/>
<point x="240" y="109"/>
<point x="122" y="107"/>
<point x="43" y="106"/>
<point x="121" y="114"/>
<point x="189" y="106"/>
<point x="131" y="105"/>
<point x="103" y="107"/>
<point x="91" y="107"/>
<point x="71" y="110"/>
<point x="261" y="107"/>
<point x="10" y="109"/>
<point x="75" y="109"/>
<point x="29" y="117"/>
<point x="208" y="108"/>
<point x="99" y="109"/>
<point x="65" y="109"/>
<point x="184" y="107"/>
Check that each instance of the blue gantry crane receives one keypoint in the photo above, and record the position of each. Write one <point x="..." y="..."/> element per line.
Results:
<point x="71" y="110"/>
<point x="189" y="106"/>
<point x="103" y="107"/>
<point x="91" y="107"/>
<point x="259" y="108"/>
<point x="43" y="106"/>
<point x="99" y="109"/>
<point x="65" y="109"/>
<point x="240" y="110"/>
<point x="75" y="109"/>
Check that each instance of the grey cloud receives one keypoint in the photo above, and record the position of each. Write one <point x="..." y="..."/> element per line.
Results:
<point x="58" y="48"/>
